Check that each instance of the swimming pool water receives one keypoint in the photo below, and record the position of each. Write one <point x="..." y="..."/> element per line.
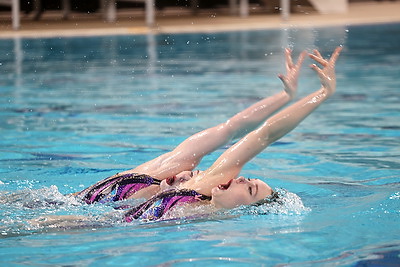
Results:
<point x="76" y="110"/>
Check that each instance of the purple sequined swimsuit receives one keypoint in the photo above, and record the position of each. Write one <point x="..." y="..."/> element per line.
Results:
<point x="157" y="206"/>
<point x="117" y="187"/>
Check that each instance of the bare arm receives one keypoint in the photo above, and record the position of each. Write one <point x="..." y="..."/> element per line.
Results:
<point x="250" y="118"/>
<point x="230" y="163"/>
<point x="188" y="154"/>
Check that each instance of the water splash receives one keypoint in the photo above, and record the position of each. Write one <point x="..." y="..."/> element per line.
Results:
<point x="395" y="196"/>
<point x="37" y="198"/>
<point x="288" y="203"/>
<point x="29" y="210"/>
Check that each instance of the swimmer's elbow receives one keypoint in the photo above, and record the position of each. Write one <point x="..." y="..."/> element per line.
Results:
<point x="227" y="130"/>
<point x="267" y="134"/>
<point x="262" y="135"/>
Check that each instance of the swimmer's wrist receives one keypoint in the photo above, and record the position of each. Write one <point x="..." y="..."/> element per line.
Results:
<point x="327" y="91"/>
<point x="289" y="95"/>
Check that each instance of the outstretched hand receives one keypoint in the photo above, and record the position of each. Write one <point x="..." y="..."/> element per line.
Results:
<point x="327" y="72"/>
<point x="292" y="72"/>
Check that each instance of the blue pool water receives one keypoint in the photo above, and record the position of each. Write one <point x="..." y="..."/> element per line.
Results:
<point x="76" y="110"/>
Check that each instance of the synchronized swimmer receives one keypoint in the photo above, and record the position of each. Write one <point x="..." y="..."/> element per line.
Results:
<point x="169" y="181"/>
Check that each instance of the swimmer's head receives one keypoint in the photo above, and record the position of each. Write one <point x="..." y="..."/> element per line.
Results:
<point x="177" y="180"/>
<point x="240" y="191"/>
<point x="273" y="198"/>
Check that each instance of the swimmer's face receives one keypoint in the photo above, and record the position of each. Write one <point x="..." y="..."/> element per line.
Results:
<point x="239" y="191"/>
<point x="177" y="180"/>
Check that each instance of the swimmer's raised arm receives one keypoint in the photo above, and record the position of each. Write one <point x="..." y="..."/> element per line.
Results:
<point x="286" y="120"/>
<point x="188" y="154"/>
<point x="250" y="118"/>
<point x="230" y="163"/>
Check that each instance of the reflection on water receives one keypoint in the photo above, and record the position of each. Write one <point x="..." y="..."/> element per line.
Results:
<point x="154" y="54"/>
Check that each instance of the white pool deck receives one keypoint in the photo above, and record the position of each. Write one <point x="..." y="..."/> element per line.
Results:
<point x="51" y="23"/>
